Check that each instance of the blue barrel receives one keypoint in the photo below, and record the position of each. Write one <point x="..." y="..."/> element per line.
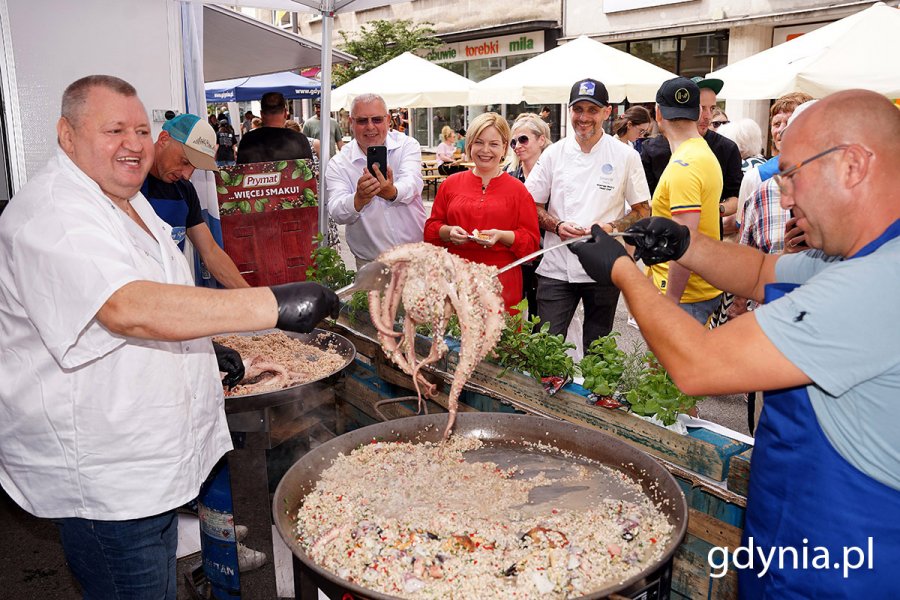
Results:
<point x="218" y="548"/>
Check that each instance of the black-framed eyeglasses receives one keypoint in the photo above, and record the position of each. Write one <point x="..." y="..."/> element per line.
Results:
<point x="522" y="139"/>
<point x="715" y="124"/>
<point x="363" y="121"/>
<point x="783" y="178"/>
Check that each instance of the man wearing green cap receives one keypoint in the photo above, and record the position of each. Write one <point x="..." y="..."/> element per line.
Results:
<point x="187" y="142"/>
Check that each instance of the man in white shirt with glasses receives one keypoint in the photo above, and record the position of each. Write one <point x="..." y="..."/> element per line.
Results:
<point x="384" y="210"/>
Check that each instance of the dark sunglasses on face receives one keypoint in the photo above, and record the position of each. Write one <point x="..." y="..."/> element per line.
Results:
<point x="715" y="124"/>
<point x="522" y="139"/>
<point x="363" y="121"/>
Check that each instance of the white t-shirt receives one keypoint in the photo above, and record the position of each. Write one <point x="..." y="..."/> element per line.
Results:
<point x="584" y="188"/>
<point x="92" y="424"/>
<point x="381" y="224"/>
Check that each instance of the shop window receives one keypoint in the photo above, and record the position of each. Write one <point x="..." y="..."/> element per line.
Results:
<point x="664" y="56"/>
<point x="702" y="54"/>
<point x="479" y="70"/>
<point x="688" y="56"/>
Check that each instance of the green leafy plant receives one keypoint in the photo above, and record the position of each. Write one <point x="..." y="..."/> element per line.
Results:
<point x="453" y="330"/>
<point x="657" y="395"/>
<point x="539" y="353"/>
<point x="603" y="365"/>
<point x="379" y="41"/>
<point x="359" y="303"/>
<point x="327" y="267"/>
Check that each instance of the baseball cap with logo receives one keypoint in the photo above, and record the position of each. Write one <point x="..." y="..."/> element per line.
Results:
<point x="198" y="138"/>
<point x="679" y="98"/>
<point x="590" y="90"/>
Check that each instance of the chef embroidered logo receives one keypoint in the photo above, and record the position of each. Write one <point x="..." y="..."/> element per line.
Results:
<point x="682" y="96"/>
<point x="607" y="169"/>
<point x="586" y="88"/>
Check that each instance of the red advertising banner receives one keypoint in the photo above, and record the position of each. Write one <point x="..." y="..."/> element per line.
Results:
<point x="267" y="186"/>
<point x="269" y="216"/>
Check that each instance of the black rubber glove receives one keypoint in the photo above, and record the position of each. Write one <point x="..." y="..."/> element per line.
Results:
<point x="230" y="363"/>
<point x="598" y="254"/>
<point x="302" y="305"/>
<point x="658" y="240"/>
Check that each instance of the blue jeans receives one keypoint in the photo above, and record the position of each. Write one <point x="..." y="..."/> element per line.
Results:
<point x="118" y="560"/>
<point x="701" y="310"/>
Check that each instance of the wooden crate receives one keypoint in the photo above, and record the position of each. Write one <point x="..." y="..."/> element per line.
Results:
<point x="739" y="472"/>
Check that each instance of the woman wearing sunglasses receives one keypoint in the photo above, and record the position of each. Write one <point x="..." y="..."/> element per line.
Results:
<point x="485" y="215"/>
<point x="633" y="125"/>
<point x="718" y="119"/>
<point x="530" y="135"/>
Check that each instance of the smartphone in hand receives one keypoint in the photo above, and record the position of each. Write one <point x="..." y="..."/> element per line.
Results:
<point x="377" y="155"/>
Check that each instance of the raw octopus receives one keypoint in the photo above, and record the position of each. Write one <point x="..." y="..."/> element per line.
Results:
<point x="274" y="361"/>
<point x="432" y="285"/>
<point x="261" y="375"/>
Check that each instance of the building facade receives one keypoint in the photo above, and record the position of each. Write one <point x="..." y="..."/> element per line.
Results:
<point x="687" y="37"/>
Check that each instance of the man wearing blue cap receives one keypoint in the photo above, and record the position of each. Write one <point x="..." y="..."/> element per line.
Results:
<point x="187" y="142"/>
<point x="586" y="178"/>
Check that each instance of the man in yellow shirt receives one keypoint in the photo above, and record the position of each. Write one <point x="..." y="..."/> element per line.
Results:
<point x="688" y="193"/>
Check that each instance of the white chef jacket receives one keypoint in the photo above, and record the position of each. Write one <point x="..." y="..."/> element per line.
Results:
<point x="93" y="424"/>
<point x="381" y="224"/>
<point x="584" y="188"/>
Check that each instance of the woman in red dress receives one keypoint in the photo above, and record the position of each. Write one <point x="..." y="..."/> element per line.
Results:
<point x="485" y="215"/>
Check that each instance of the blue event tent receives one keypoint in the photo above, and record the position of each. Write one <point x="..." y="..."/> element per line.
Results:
<point x="243" y="89"/>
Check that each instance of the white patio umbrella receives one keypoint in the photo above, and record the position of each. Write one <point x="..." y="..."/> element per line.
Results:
<point x="859" y="51"/>
<point x="408" y="81"/>
<point x="548" y="77"/>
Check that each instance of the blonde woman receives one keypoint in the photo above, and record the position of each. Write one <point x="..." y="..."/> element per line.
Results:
<point x="444" y="152"/>
<point x="530" y="135"/>
<point x="485" y="215"/>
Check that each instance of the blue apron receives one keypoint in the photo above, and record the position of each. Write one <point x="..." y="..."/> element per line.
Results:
<point x="804" y="495"/>
<point x="173" y="212"/>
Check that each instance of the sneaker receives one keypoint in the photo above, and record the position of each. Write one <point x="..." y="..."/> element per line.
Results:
<point x="240" y="533"/>
<point x="633" y="323"/>
<point x="249" y="559"/>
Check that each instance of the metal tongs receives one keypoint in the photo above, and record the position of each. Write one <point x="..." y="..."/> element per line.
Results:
<point x="534" y="255"/>
<point x="376" y="275"/>
<point x="372" y="276"/>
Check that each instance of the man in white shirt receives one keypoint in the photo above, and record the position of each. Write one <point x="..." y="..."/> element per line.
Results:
<point x="112" y="408"/>
<point x="585" y="178"/>
<point x="386" y="210"/>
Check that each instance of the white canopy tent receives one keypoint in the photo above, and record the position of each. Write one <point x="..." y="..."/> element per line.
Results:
<point x="408" y="81"/>
<point x="548" y="77"/>
<point x="859" y="51"/>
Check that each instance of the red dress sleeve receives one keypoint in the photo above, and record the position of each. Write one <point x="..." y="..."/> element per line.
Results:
<point x="438" y="216"/>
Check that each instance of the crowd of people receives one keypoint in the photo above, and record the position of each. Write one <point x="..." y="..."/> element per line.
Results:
<point x="115" y="206"/>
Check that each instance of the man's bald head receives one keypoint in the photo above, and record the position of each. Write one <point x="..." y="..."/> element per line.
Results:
<point x="848" y="146"/>
<point x="838" y="119"/>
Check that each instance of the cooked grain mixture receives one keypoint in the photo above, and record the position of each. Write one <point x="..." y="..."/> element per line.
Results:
<point x="420" y="521"/>
<point x="274" y="361"/>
